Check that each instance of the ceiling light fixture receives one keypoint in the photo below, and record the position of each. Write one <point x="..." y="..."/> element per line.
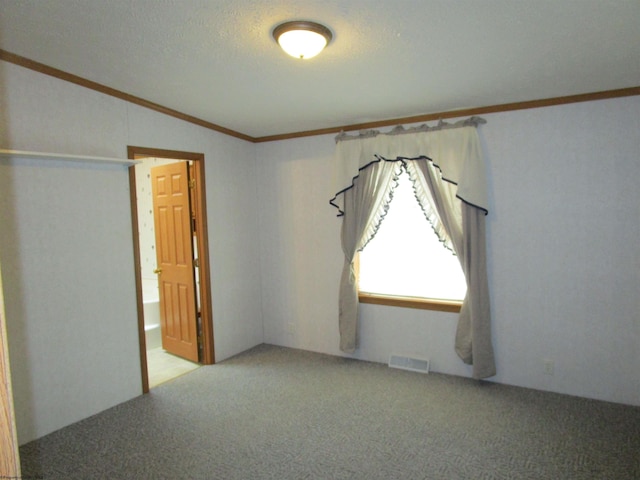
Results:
<point x="302" y="39"/>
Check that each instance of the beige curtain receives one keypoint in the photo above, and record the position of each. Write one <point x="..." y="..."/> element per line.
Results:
<point x="464" y="227"/>
<point x="448" y="170"/>
<point x="365" y="205"/>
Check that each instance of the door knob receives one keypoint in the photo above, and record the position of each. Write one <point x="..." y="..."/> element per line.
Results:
<point x="158" y="271"/>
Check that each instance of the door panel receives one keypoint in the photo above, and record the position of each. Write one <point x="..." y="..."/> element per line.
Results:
<point x="174" y="253"/>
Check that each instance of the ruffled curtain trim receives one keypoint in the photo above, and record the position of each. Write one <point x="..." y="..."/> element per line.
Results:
<point x="452" y="148"/>
<point x="421" y="195"/>
<point x="400" y="129"/>
<point x="402" y="160"/>
<point x="430" y="213"/>
<point x="374" y="225"/>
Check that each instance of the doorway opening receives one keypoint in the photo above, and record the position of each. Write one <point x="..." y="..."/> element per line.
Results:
<point x="168" y="211"/>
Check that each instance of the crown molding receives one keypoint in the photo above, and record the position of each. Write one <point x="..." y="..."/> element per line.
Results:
<point x="469" y="112"/>
<point x="98" y="87"/>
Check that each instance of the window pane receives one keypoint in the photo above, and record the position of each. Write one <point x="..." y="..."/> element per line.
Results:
<point x="406" y="257"/>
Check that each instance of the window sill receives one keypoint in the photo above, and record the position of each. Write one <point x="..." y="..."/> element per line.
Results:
<point x="411" y="302"/>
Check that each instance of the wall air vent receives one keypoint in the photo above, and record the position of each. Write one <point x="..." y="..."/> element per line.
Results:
<point x="409" y="363"/>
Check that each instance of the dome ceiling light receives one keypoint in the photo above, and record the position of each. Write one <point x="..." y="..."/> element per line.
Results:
<point x="302" y="39"/>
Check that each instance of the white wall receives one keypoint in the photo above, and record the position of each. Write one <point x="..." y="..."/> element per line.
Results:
<point x="66" y="246"/>
<point x="563" y="252"/>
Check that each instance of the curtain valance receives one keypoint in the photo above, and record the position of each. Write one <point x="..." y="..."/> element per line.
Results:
<point x="453" y="148"/>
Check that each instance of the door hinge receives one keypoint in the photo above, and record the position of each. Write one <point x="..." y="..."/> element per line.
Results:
<point x="192" y="183"/>
<point x="196" y="262"/>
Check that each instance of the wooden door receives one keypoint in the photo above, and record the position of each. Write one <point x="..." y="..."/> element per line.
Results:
<point x="174" y="253"/>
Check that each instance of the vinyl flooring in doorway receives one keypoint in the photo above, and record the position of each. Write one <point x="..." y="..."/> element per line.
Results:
<point x="163" y="366"/>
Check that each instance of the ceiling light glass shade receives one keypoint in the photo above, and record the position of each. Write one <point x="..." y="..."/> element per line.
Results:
<point x="302" y="39"/>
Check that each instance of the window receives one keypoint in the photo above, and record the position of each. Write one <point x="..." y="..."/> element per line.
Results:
<point x="406" y="264"/>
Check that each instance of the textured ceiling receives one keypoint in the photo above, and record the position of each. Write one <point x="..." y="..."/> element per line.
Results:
<point x="216" y="60"/>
